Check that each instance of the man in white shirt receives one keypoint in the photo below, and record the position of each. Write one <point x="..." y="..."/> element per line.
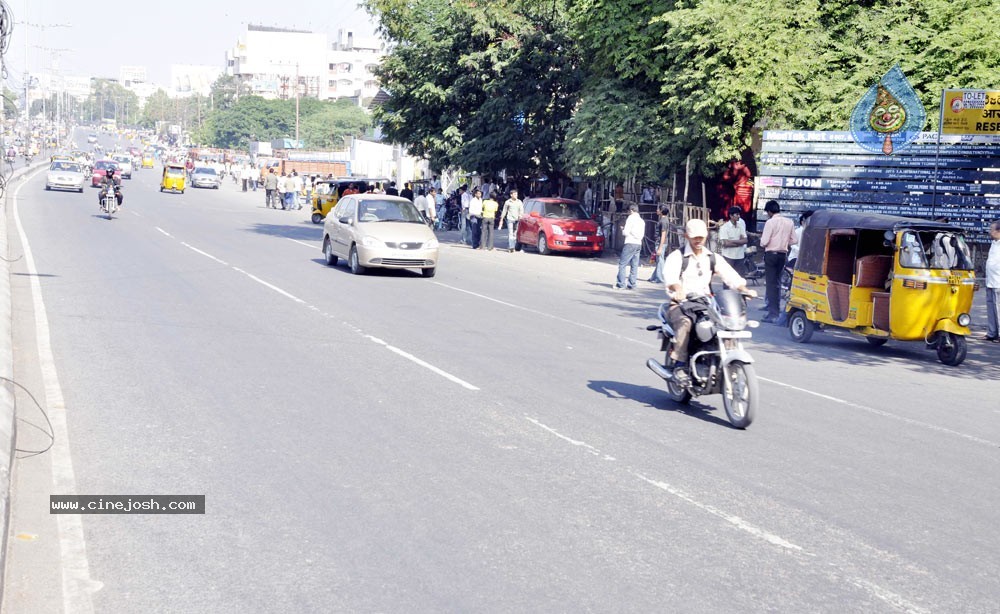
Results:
<point x="733" y="238"/>
<point x="463" y="219"/>
<point x="634" y="232"/>
<point x="690" y="272"/>
<point x="992" y="271"/>
<point x="475" y="217"/>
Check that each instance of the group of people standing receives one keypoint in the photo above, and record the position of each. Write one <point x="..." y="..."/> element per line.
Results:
<point x="286" y="191"/>
<point x="479" y="217"/>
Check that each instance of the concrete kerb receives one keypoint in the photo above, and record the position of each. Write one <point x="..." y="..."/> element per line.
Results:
<point x="7" y="409"/>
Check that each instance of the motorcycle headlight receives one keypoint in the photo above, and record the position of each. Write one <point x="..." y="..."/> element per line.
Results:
<point x="557" y="230"/>
<point x="738" y="322"/>
<point x="705" y="330"/>
<point x="369" y="241"/>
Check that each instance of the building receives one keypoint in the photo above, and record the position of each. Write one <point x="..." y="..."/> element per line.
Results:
<point x="270" y="61"/>
<point x="127" y="75"/>
<point x="191" y="79"/>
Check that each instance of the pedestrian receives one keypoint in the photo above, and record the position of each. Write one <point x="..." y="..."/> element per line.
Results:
<point x="490" y="207"/>
<point x="634" y="231"/>
<point x="282" y="189"/>
<point x="733" y="238"/>
<point x="465" y="198"/>
<point x="407" y="192"/>
<point x="662" y="232"/>
<point x="420" y="202"/>
<point x="431" y="200"/>
<point x="588" y="200"/>
<point x="293" y="185"/>
<point x="992" y="270"/>
<point x="270" y="188"/>
<point x="777" y="238"/>
<point x="512" y="211"/>
<point x="391" y="190"/>
<point x="475" y="217"/>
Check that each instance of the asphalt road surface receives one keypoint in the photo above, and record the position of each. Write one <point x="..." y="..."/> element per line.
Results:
<point x="488" y="440"/>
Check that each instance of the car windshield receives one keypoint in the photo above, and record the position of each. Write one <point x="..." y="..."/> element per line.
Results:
<point x="564" y="211"/>
<point x="68" y="167"/>
<point x="388" y="211"/>
<point x="204" y="171"/>
<point x="934" y="250"/>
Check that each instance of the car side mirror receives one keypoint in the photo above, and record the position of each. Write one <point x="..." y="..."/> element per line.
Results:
<point x="344" y="220"/>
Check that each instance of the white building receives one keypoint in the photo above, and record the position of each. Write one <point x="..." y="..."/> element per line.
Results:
<point x="190" y="79"/>
<point x="127" y="75"/>
<point x="271" y="60"/>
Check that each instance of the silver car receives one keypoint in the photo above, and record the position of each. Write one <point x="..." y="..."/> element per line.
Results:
<point x="124" y="165"/>
<point x="65" y="175"/>
<point x="373" y="230"/>
<point x="205" y="177"/>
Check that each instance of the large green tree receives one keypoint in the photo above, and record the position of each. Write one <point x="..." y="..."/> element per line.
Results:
<point x="485" y="86"/>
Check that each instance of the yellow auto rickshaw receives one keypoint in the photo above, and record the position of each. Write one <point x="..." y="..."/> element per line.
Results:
<point x="147" y="160"/>
<point x="324" y="198"/>
<point x="883" y="277"/>
<point x="174" y="176"/>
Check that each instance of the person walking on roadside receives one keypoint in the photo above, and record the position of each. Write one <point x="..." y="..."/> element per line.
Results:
<point x="490" y="207"/>
<point x="992" y="270"/>
<point x="512" y="211"/>
<point x="733" y="238"/>
<point x="432" y="208"/>
<point x="420" y="202"/>
<point x="475" y="217"/>
<point x="662" y="232"/>
<point x="282" y="189"/>
<point x="407" y="192"/>
<point x="293" y="187"/>
<point x="777" y="238"/>
<point x="465" y="198"/>
<point x="634" y="231"/>
<point x="270" y="189"/>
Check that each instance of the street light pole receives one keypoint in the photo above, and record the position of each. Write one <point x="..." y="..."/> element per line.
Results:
<point x="296" y="105"/>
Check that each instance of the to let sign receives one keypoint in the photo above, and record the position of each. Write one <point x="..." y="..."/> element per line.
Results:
<point x="970" y="112"/>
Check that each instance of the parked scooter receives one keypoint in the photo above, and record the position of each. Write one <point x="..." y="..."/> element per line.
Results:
<point x="717" y="361"/>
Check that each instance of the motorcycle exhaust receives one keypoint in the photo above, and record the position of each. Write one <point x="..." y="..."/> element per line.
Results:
<point x="659" y="369"/>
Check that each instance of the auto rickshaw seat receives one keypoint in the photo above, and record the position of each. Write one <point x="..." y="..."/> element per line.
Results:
<point x="872" y="271"/>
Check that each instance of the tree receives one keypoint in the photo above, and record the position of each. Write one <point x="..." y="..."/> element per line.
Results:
<point x="326" y="126"/>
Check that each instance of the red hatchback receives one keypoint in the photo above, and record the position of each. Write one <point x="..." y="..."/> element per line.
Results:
<point x="101" y="169"/>
<point x="558" y="224"/>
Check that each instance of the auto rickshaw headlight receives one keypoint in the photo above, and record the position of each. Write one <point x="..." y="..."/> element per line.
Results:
<point x="964" y="319"/>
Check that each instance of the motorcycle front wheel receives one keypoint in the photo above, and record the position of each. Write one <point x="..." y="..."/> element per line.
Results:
<point x="740" y="393"/>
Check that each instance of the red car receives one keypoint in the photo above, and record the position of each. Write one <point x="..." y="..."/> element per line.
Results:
<point x="559" y="224"/>
<point x="100" y="170"/>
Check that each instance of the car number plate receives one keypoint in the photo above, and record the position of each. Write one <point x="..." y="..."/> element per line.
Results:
<point x="579" y="238"/>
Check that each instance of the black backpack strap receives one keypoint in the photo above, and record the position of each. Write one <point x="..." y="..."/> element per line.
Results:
<point x="686" y="257"/>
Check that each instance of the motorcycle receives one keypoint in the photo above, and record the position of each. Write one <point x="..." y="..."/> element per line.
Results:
<point x="717" y="361"/>
<point x="109" y="202"/>
<point x="28" y="158"/>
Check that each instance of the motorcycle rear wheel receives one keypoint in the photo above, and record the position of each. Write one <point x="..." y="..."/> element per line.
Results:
<point x="740" y="394"/>
<point x="678" y="393"/>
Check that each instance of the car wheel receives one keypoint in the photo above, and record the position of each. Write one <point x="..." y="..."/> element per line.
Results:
<point x="353" y="262"/>
<point x="47" y="188"/>
<point x="543" y="246"/>
<point x="80" y="190"/>
<point x="328" y="256"/>
<point x="429" y="272"/>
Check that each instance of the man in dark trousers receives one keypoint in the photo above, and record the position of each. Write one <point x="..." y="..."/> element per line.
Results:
<point x="777" y="238"/>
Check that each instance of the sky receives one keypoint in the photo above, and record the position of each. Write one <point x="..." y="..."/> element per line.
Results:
<point x="95" y="38"/>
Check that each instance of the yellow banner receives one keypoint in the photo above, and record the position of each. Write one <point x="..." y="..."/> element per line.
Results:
<point x="970" y="112"/>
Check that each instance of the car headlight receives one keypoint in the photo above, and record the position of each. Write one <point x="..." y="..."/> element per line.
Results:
<point x="432" y="244"/>
<point x="964" y="319"/>
<point x="557" y="230"/>
<point x="369" y="241"/>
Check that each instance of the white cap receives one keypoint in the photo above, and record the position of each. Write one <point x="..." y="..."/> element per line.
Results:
<point x="697" y="228"/>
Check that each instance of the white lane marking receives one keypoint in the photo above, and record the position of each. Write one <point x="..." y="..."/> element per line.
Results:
<point x="77" y="586"/>
<point x="304" y="243"/>
<point x="391" y="348"/>
<point x="422" y="363"/>
<point x="205" y="254"/>
<point x="732" y="519"/>
<point x="897" y="601"/>
<point x="586" y="446"/>
<point x="885" y="414"/>
<point x="542" y="313"/>
<point x="165" y="232"/>
<point x="134" y="213"/>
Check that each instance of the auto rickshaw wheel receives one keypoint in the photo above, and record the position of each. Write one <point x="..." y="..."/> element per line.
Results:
<point x="800" y="327"/>
<point x="951" y="349"/>
<point x="876" y="341"/>
<point x="317" y="218"/>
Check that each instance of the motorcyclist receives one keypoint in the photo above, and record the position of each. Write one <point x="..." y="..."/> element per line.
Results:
<point x="11" y="154"/>
<point x="689" y="271"/>
<point x="113" y="182"/>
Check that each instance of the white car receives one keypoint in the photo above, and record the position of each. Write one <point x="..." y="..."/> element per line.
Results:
<point x="124" y="164"/>
<point x="205" y="177"/>
<point x="65" y="175"/>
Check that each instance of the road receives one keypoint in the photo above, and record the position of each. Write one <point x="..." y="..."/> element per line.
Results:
<point x="487" y="440"/>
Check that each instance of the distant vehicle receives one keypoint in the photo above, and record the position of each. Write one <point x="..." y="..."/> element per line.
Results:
<point x="373" y="230"/>
<point x="65" y="175"/>
<point x="125" y="164"/>
<point x="92" y="138"/>
<point x="558" y="224"/>
<point x="100" y="170"/>
<point x="205" y="177"/>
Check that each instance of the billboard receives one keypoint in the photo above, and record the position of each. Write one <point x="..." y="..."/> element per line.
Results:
<point x="970" y="112"/>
